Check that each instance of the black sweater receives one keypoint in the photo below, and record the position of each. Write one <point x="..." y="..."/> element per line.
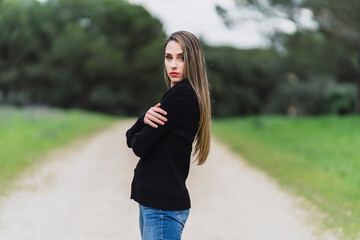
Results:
<point x="160" y="175"/>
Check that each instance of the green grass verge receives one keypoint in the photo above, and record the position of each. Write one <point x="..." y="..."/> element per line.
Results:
<point x="27" y="134"/>
<point x="315" y="157"/>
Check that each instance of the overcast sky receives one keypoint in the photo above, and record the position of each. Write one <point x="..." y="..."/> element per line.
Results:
<point x="200" y="18"/>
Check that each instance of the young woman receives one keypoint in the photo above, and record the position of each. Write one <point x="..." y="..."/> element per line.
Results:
<point x="163" y="137"/>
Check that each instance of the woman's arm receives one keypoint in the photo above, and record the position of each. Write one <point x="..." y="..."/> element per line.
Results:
<point x="177" y="104"/>
<point x="139" y="124"/>
<point x="151" y="116"/>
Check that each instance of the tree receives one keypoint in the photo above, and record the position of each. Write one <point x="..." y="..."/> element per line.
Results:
<point x="337" y="20"/>
<point x="98" y="55"/>
<point x="242" y="80"/>
<point x="19" y="45"/>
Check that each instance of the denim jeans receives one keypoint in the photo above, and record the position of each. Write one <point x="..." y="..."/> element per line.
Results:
<point x="158" y="224"/>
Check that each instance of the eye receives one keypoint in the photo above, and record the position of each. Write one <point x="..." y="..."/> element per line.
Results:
<point x="182" y="58"/>
<point x="168" y="57"/>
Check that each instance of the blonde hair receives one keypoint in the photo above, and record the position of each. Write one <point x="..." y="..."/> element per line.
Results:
<point x="195" y="74"/>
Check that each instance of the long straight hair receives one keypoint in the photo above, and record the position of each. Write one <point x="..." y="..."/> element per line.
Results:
<point x="195" y="74"/>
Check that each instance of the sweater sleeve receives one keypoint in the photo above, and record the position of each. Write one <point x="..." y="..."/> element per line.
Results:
<point x="139" y="124"/>
<point x="177" y="104"/>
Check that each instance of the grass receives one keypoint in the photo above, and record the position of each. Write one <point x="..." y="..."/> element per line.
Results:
<point x="27" y="134"/>
<point x="315" y="157"/>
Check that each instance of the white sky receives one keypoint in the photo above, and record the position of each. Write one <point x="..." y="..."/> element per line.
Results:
<point x="200" y="18"/>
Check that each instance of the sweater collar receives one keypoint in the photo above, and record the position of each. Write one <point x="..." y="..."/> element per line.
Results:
<point x="176" y="85"/>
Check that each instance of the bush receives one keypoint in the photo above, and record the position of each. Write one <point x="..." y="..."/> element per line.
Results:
<point x="317" y="96"/>
<point x="341" y="98"/>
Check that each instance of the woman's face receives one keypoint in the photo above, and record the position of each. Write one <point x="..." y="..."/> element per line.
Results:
<point x="174" y="62"/>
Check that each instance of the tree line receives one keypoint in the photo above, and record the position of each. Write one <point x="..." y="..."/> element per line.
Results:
<point x="107" y="56"/>
<point x="324" y="59"/>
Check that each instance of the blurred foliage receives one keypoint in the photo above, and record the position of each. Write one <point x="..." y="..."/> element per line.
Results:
<point x="330" y="49"/>
<point x="321" y="75"/>
<point x="299" y="75"/>
<point x="75" y="53"/>
<point x="107" y="56"/>
<point x="316" y="96"/>
<point x="242" y="80"/>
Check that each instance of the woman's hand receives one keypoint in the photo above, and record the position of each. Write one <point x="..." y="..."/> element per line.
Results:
<point x="152" y="116"/>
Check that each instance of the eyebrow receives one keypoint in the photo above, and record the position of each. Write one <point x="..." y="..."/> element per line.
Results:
<point x="176" y="54"/>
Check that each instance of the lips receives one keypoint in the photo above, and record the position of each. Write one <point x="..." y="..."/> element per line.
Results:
<point x="174" y="74"/>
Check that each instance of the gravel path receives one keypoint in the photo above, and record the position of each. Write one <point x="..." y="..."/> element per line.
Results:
<point x="82" y="193"/>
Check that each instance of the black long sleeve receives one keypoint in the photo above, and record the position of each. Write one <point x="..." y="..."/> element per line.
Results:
<point x="177" y="103"/>
<point x="139" y="124"/>
<point x="160" y="175"/>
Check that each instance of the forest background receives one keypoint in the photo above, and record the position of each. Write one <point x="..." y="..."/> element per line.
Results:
<point x="107" y="56"/>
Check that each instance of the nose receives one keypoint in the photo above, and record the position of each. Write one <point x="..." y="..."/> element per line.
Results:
<point x="173" y="64"/>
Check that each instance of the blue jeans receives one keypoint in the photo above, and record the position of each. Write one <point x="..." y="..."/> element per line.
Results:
<point x="158" y="224"/>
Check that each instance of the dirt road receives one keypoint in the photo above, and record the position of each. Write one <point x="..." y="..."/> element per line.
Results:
<point x="82" y="193"/>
